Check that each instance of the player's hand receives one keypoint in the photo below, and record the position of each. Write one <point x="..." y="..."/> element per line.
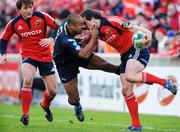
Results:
<point x="3" y="60"/>
<point x="147" y="39"/>
<point x="46" y="42"/>
<point x="85" y="35"/>
<point x="94" y="29"/>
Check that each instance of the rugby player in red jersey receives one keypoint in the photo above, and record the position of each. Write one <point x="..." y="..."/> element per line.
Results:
<point x="119" y="33"/>
<point x="31" y="27"/>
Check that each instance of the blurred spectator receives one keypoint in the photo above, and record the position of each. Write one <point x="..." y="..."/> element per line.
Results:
<point x="117" y="8"/>
<point x="159" y="16"/>
<point x="171" y="41"/>
<point x="160" y="36"/>
<point x="163" y="22"/>
<point x="173" y="17"/>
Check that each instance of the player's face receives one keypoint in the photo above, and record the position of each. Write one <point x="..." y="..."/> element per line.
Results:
<point x="79" y="26"/>
<point x="26" y="11"/>
<point x="91" y="23"/>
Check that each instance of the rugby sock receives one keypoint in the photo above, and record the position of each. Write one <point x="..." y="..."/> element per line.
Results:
<point x="74" y="104"/>
<point x="150" y="79"/>
<point x="133" y="109"/>
<point x="26" y="99"/>
<point x="46" y="100"/>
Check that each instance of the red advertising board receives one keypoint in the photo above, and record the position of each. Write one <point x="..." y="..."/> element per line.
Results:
<point x="10" y="81"/>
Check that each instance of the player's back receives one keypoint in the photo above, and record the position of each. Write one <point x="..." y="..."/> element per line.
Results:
<point x="65" y="44"/>
<point x="112" y="32"/>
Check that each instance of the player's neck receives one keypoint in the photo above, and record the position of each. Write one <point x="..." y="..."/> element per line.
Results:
<point x="25" y="18"/>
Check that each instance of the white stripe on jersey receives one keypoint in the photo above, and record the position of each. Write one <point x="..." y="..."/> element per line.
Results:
<point x="115" y="20"/>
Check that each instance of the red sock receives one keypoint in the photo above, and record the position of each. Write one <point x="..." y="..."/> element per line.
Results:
<point x="150" y="79"/>
<point x="133" y="109"/>
<point x="46" y="100"/>
<point x="26" y="98"/>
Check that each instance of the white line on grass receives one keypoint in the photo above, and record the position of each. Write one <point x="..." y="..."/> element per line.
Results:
<point x="97" y="123"/>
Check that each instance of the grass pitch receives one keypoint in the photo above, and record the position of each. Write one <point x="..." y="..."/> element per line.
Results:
<point x="65" y="121"/>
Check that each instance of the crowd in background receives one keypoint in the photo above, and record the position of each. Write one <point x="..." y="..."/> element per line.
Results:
<point x="162" y="17"/>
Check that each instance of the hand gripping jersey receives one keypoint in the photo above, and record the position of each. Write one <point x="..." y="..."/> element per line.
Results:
<point x="114" y="31"/>
<point x="30" y="32"/>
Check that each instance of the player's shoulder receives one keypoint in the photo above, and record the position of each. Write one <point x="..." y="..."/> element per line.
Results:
<point x="39" y="14"/>
<point x="63" y="38"/>
<point x="112" y="18"/>
<point x="15" y="20"/>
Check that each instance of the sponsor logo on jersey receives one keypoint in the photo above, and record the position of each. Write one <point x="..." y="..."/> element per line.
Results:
<point x="130" y="56"/>
<point x="111" y="38"/>
<point x="32" y="33"/>
<point x="38" y="22"/>
<point x="19" y="27"/>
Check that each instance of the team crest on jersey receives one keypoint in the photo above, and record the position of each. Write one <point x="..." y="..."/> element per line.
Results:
<point x="38" y="22"/>
<point x="19" y="27"/>
<point x="56" y="22"/>
<point x="108" y="31"/>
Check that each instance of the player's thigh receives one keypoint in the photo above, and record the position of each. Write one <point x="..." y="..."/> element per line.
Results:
<point x="133" y="66"/>
<point x="28" y="73"/>
<point x="96" y="62"/>
<point x="50" y="82"/>
<point x="71" y="88"/>
<point x="127" y="87"/>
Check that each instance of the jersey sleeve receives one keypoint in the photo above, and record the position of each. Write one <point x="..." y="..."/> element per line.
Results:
<point x="6" y="35"/>
<point x="50" y="21"/>
<point x="8" y="31"/>
<point x="120" y="23"/>
<point x="72" y="46"/>
<point x="54" y="34"/>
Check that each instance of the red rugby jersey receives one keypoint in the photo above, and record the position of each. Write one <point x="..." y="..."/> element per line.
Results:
<point x="30" y="32"/>
<point x="112" y="32"/>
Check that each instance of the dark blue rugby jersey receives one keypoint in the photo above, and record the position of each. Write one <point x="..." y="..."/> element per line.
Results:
<point x="66" y="47"/>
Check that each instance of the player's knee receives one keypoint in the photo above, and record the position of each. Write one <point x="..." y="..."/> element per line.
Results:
<point x="28" y="81"/>
<point x="126" y="91"/>
<point x="53" y="92"/>
<point x="130" y="77"/>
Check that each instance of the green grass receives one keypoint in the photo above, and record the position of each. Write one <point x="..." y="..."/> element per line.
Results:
<point x="65" y="121"/>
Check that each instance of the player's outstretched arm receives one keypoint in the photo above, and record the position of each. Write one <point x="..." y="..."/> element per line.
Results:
<point x="86" y="51"/>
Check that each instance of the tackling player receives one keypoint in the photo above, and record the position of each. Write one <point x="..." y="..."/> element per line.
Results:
<point x="118" y="33"/>
<point x="31" y="27"/>
<point x="69" y="55"/>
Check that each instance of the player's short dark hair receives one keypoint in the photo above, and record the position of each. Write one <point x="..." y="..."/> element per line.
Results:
<point x="72" y="18"/>
<point x="89" y="14"/>
<point x="19" y="3"/>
